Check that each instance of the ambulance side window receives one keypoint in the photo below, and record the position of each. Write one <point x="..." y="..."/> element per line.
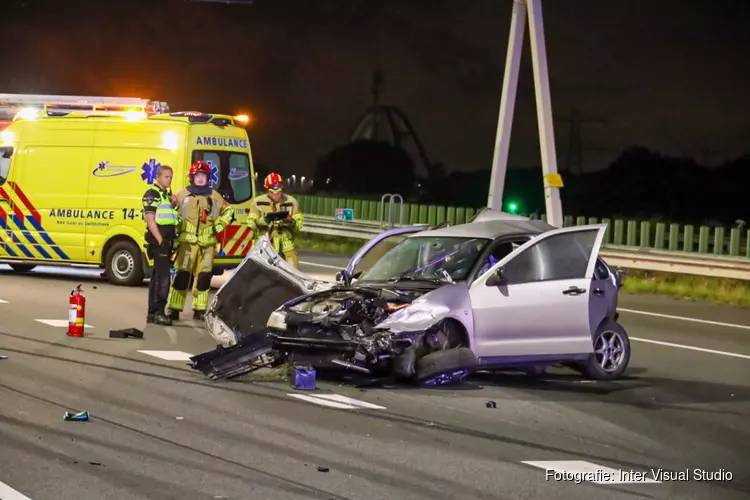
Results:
<point x="214" y="160"/>
<point x="238" y="177"/>
<point x="5" y="157"/>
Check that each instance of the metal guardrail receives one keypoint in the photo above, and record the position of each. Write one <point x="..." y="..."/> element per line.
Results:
<point x="707" y="238"/>
<point x="645" y="259"/>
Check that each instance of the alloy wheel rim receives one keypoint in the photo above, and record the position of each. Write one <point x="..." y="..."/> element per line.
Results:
<point x="609" y="350"/>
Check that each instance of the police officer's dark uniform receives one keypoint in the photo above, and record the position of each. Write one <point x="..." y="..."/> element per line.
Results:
<point x="159" y="202"/>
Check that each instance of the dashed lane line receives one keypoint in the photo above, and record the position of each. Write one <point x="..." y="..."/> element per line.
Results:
<point x="579" y="470"/>
<point x="58" y="323"/>
<point x="685" y="318"/>
<point x="324" y="266"/>
<point x="169" y="355"/>
<point x="8" y="493"/>
<point x="691" y="348"/>
<point x="337" y="401"/>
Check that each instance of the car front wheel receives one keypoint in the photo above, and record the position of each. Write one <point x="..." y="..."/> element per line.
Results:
<point x="123" y="264"/>
<point x="611" y="353"/>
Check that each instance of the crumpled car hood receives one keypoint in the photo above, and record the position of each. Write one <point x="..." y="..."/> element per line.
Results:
<point x="259" y="285"/>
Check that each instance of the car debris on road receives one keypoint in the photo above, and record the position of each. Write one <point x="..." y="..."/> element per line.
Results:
<point x="81" y="416"/>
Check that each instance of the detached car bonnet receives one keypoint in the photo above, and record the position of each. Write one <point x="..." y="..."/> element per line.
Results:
<point x="258" y="286"/>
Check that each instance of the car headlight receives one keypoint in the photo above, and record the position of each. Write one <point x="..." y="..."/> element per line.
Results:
<point x="277" y="321"/>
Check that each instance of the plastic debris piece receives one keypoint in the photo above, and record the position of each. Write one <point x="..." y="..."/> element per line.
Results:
<point x="491" y="404"/>
<point x="95" y="463"/>
<point x="125" y="333"/>
<point x="180" y="418"/>
<point x="81" y="416"/>
<point x="3" y="357"/>
<point x="303" y="378"/>
<point x="323" y="469"/>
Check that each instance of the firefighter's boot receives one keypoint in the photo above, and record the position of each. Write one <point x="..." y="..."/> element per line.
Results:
<point x="162" y="319"/>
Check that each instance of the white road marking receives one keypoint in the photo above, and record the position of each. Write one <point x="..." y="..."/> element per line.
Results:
<point x="691" y="348"/>
<point x="683" y="318"/>
<point x="336" y="401"/>
<point x="172" y="332"/>
<point x="169" y="355"/>
<point x="347" y="400"/>
<point x="58" y="323"/>
<point x="575" y="470"/>
<point x="322" y="402"/>
<point x="321" y="277"/>
<point x="8" y="493"/>
<point x="325" y="266"/>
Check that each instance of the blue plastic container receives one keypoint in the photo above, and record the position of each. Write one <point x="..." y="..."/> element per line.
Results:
<point x="303" y="378"/>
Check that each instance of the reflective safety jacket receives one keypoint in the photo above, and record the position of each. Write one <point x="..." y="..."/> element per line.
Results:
<point x="159" y="202"/>
<point x="281" y="233"/>
<point x="202" y="217"/>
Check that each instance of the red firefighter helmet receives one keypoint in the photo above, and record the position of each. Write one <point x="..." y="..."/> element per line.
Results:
<point x="273" y="182"/>
<point x="199" y="167"/>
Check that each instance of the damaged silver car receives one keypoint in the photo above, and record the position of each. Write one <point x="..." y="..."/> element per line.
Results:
<point x="430" y="305"/>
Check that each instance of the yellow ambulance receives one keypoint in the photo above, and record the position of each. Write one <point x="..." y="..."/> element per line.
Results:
<point x="72" y="174"/>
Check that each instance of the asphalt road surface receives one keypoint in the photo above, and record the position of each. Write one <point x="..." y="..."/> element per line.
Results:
<point x="159" y="430"/>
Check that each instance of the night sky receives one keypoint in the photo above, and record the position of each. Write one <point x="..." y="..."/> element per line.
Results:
<point x="669" y="75"/>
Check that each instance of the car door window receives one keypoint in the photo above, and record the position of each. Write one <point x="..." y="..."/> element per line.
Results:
<point x="562" y="256"/>
<point x="600" y="271"/>
<point x="501" y="250"/>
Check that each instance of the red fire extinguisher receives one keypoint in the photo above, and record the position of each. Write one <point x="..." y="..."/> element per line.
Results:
<point x="77" y="312"/>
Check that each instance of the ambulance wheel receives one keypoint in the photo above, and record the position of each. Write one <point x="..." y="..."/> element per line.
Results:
<point x="22" y="268"/>
<point x="124" y="266"/>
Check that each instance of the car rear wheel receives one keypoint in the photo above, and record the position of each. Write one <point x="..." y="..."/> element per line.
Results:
<point x="124" y="266"/>
<point x="611" y="353"/>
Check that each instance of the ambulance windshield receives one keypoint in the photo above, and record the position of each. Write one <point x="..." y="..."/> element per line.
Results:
<point x="230" y="174"/>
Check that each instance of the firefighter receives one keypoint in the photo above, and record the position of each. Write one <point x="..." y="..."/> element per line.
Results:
<point x="161" y="222"/>
<point x="203" y="215"/>
<point x="263" y="218"/>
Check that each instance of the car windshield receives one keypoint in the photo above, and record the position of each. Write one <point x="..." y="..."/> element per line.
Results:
<point x="428" y="259"/>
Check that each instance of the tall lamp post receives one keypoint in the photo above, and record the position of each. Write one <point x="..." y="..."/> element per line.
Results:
<point x="551" y="178"/>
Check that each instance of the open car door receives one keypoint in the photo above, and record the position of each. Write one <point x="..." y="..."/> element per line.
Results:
<point x="535" y="302"/>
<point x="375" y="249"/>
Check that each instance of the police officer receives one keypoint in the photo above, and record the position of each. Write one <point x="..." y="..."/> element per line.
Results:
<point x="161" y="222"/>
<point x="203" y="215"/>
<point x="281" y="231"/>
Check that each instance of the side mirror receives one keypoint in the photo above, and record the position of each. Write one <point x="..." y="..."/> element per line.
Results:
<point x="618" y="277"/>
<point x="497" y="279"/>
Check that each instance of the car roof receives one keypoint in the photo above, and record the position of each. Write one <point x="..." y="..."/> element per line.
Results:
<point x="489" y="229"/>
